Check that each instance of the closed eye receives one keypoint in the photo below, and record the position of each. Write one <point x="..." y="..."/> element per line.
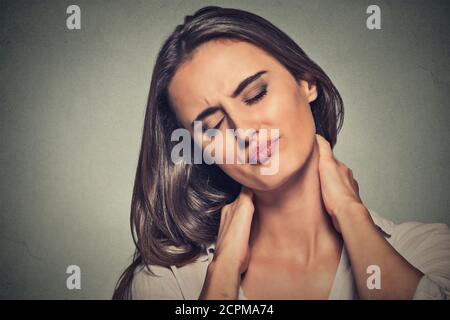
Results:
<point x="219" y="123"/>
<point x="217" y="126"/>
<point x="258" y="97"/>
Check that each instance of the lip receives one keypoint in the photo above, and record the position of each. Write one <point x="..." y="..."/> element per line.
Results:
<point x="263" y="154"/>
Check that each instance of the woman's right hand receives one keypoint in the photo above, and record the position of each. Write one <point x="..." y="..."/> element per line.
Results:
<point x="231" y="255"/>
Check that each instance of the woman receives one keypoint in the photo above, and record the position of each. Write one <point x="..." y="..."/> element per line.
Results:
<point x="226" y="231"/>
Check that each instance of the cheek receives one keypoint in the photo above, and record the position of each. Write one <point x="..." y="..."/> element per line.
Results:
<point x="285" y="105"/>
<point x="299" y="140"/>
<point x="291" y="112"/>
<point x="297" y="129"/>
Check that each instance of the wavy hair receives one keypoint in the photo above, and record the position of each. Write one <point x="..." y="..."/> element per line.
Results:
<point x="175" y="208"/>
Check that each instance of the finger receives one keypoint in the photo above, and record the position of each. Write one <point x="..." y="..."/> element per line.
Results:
<point x="351" y="173"/>
<point x="243" y="218"/>
<point x="324" y="147"/>
<point x="241" y="224"/>
<point x="245" y="200"/>
<point x="357" y="186"/>
<point x="246" y="194"/>
<point x="223" y="219"/>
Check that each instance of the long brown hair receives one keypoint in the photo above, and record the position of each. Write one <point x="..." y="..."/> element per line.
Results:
<point x="175" y="208"/>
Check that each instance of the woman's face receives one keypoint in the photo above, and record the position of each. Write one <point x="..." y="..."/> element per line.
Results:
<point x="272" y="100"/>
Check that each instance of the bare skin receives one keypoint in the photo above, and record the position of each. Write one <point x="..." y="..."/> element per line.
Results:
<point x="303" y="262"/>
<point x="282" y="237"/>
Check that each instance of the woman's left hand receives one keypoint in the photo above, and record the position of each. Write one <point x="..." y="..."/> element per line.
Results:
<point x="339" y="188"/>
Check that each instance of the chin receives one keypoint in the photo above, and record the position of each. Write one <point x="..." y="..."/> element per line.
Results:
<point x="252" y="178"/>
<point x="289" y="170"/>
<point x="272" y="182"/>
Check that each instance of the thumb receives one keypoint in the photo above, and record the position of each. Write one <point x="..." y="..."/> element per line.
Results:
<point x="246" y="193"/>
<point x="324" y="147"/>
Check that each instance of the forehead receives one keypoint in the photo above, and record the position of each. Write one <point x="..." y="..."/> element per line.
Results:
<point x="215" y="70"/>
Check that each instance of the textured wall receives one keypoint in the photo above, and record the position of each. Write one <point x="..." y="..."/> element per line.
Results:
<point x="72" y="106"/>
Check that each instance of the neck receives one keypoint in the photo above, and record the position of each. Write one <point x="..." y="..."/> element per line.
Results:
<point x="292" y="221"/>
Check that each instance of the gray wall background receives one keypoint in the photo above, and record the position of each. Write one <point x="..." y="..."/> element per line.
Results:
<point x="72" y="106"/>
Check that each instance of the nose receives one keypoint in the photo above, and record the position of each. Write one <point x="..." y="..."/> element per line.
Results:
<point x="244" y="122"/>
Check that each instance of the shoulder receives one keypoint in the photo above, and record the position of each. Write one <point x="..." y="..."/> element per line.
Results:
<point x="162" y="284"/>
<point x="427" y="247"/>
<point x="415" y="234"/>
<point x="412" y="237"/>
<point x="170" y="283"/>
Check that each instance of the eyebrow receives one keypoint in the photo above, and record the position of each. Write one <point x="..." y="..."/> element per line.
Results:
<point x="244" y="83"/>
